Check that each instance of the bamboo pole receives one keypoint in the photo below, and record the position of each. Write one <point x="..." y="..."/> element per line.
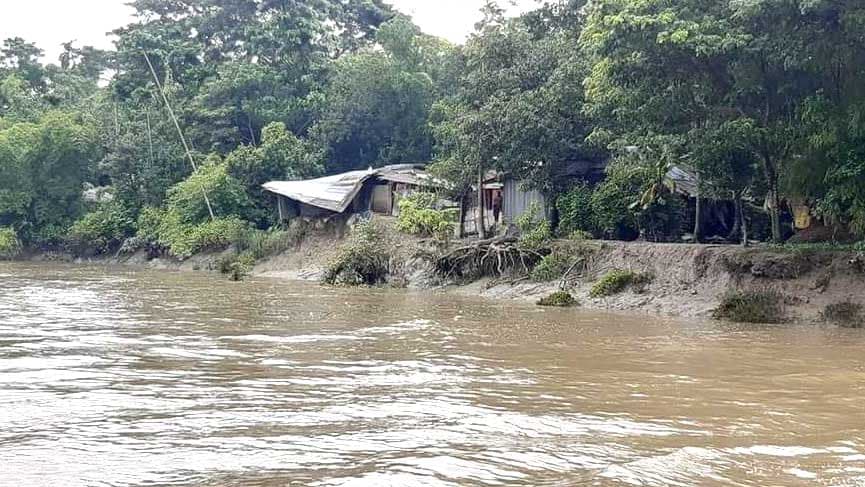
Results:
<point x="179" y="130"/>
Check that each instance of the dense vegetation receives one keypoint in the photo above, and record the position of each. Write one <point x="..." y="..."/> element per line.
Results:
<point x="763" y="100"/>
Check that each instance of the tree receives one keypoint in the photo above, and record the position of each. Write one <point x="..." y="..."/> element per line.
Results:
<point x="43" y="167"/>
<point x="281" y="156"/>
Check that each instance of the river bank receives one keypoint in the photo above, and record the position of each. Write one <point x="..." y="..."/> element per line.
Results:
<point x="686" y="280"/>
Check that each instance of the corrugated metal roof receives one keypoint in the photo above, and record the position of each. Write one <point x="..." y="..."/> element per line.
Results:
<point x="334" y="193"/>
<point x="686" y="181"/>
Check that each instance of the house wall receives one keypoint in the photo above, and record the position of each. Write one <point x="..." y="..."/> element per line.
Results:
<point x="516" y="201"/>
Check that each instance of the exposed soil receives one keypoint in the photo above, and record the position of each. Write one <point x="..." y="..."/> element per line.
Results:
<point x="689" y="280"/>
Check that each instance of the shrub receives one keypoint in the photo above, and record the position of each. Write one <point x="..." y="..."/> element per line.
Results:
<point x="10" y="246"/>
<point x="617" y="281"/>
<point x="611" y="201"/>
<point x="363" y="260"/>
<point x="845" y="313"/>
<point x="418" y="216"/>
<point x="101" y="230"/>
<point x="167" y="228"/>
<point x="765" y="306"/>
<point x="562" y="299"/>
<point x="237" y="265"/>
<point x="261" y="244"/>
<point x="580" y="235"/>
<point x="551" y="267"/>
<point x="575" y="210"/>
<point x="535" y="229"/>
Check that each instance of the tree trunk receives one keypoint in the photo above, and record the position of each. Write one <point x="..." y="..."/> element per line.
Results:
<point x="698" y="217"/>
<point x="774" y="203"/>
<point x="743" y="220"/>
<point x="463" y="204"/>
<point x="481" y="225"/>
<point x="737" y="217"/>
<point x="775" y="213"/>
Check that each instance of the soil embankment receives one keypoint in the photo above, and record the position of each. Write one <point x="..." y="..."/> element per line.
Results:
<point x="691" y="280"/>
<point x="686" y="280"/>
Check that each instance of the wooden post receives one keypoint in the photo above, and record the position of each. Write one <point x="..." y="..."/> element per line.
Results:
<point x="482" y="228"/>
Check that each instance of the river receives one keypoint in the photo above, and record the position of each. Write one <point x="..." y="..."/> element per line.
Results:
<point x="123" y="377"/>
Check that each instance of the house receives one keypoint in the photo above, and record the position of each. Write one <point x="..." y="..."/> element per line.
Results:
<point x="375" y="190"/>
<point x="517" y="197"/>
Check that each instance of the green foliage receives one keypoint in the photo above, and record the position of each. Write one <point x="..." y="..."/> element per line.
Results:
<point x="579" y="236"/>
<point x="183" y="240"/>
<point x="418" y="216"/>
<point x="617" y="281"/>
<point x="103" y="229"/>
<point x="363" y="260"/>
<point x="766" y="306"/>
<point x="282" y="156"/>
<point x="552" y="267"/>
<point x="561" y="299"/>
<point x="10" y="246"/>
<point x="227" y="196"/>
<point x="611" y="201"/>
<point x="575" y="210"/>
<point x="43" y="166"/>
<point x="261" y="244"/>
<point x="535" y="229"/>
<point x="845" y="313"/>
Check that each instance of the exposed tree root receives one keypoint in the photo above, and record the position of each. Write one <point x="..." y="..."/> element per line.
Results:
<point x="488" y="258"/>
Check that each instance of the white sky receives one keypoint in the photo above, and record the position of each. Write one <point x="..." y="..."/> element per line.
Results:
<point x="52" y="22"/>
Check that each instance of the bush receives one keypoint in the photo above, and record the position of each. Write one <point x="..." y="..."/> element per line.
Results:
<point x="236" y="266"/>
<point x="363" y="260"/>
<point x="167" y="229"/>
<point x="617" y="281"/>
<point x="561" y="299"/>
<point x="551" y="267"/>
<point x="575" y="210"/>
<point x="418" y="216"/>
<point x="10" y="246"/>
<point x="266" y="243"/>
<point x="846" y="313"/>
<point x="611" y="201"/>
<point x="535" y="229"/>
<point x="103" y="229"/>
<point x="751" y="307"/>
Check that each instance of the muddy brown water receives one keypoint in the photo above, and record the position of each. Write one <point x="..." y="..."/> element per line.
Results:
<point x="119" y="377"/>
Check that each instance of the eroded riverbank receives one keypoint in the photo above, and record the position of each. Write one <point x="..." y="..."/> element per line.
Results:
<point x="686" y="280"/>
<point x="128" y="376"/>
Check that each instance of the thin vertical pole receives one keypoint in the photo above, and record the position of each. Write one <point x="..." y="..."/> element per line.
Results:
<point x="179" y="130"/>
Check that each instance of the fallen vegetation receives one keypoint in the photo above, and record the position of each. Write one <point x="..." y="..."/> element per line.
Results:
<point x="617" y="281"/>
<point x="846" y="313"/>
<point x="765" y="306"/>
<point x="363" y="260"/>
<point x="560" y="299"/>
